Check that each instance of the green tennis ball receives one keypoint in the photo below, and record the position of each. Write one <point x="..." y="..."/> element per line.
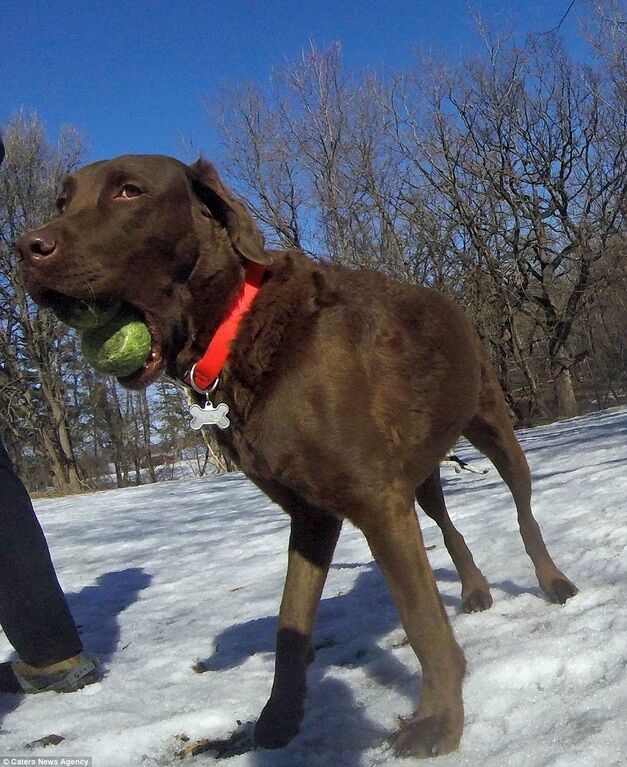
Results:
<point x="83" y="315"/>
<point x="119" y="347"/>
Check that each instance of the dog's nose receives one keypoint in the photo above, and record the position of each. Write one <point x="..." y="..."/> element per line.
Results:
<point x="35" y="245"/>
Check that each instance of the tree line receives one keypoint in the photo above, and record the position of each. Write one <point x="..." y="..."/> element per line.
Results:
<point x="500" y="180"/>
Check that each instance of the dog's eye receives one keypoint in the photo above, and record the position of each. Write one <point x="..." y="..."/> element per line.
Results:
<point x="61" y="204"/>
<point x="129" y="191"/>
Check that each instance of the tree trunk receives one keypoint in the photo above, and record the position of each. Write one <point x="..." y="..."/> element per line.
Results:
<point x="144" y="413"/>
<point x="70" y="469"/>
<point x="565" y="400"/>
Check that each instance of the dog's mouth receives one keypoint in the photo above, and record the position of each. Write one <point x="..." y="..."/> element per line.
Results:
<point x="64" y="306"/>
<point x="155" y="362"/>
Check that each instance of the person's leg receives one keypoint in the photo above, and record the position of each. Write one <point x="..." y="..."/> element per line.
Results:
<point x="33" y="610"/>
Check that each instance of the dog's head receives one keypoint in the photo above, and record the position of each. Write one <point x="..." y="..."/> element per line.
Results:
<point x="167" y="238"/>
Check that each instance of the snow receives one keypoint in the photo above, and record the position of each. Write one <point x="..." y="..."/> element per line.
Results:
<point x="162" y="576"/>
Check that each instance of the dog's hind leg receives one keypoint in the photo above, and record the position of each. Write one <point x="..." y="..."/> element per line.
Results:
<point x="312" y="542"/>
<point x="394" y="536"/>
<point x="475" y="590"/>
<point x="491" y="432"/>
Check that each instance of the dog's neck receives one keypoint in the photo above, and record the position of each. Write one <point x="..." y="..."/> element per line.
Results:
<point x="204" y="373"/>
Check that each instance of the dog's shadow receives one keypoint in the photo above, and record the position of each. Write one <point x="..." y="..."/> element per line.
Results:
<point x="95" y="610"/>
<point x="443" y="575"/>
<point x="348" y="626"/>
<point x="359" y="628"/>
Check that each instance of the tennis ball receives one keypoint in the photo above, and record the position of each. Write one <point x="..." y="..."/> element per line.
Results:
<point x="83" y="315"/>
<point x="119" y="347"/>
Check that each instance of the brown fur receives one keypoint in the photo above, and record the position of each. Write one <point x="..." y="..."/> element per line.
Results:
<point x="345" y="390"/>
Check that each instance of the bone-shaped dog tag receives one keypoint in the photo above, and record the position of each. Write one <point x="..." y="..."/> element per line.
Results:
<point x="209" y="416"/>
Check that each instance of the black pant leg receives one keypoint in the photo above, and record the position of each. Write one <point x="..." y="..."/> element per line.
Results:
<point x="33" y="610"/>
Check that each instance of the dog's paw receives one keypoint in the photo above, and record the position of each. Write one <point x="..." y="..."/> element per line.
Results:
<point x="427" y="737"/>
<point x="477" y="601"/>
<point x="560" y="590"/>
<point x="277" y="725"/>
<point x="238" y="742"/>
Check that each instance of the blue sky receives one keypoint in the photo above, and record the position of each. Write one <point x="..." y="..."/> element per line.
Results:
<point x="132" y="76"/>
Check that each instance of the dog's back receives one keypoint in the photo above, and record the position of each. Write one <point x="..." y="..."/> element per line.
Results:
<point x="352" y="358"/>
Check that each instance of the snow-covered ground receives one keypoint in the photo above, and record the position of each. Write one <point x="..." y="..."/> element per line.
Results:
<point x="162" y="576"/>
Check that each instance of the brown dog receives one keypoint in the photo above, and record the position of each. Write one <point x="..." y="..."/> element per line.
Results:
<point x="345" y="390"/>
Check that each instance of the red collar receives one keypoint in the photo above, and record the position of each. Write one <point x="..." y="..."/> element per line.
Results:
<point x="205" y="372"/>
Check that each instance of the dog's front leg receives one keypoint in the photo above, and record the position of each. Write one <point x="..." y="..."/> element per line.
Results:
<point x="396" y="541"/>
<point x="312" y="542"/>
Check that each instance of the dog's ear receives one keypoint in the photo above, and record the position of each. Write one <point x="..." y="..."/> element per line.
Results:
<point x="232" y="214"/>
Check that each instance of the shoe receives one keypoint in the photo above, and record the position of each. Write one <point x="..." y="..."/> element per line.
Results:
<point x="65" y="676"/>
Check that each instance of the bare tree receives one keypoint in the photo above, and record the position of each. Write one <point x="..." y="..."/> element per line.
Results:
<point x="31" y="341"/>
<point x="501" y="181"/>
<point x="312" y="158"/>
<point x="529" y="161"/>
